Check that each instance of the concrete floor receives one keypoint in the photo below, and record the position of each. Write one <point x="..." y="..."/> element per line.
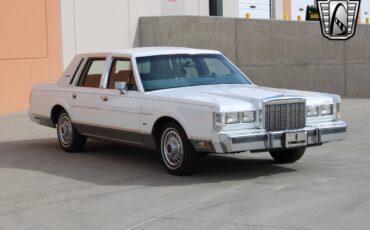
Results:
<point x="110" y="186"/>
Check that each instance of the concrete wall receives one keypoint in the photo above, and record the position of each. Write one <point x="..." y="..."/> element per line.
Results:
<point x="98" y="26"/>
<point x="284" y="54"/>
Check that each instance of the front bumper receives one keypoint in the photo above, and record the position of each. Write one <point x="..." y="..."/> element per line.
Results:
<point x="260" y="140"/>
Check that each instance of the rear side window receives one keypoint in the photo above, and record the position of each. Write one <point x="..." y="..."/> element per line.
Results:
<point x="91" y="74"/>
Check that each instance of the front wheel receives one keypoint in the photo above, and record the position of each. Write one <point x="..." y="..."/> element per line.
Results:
<point x="69" y="138"/>
<point x="287" y="155"/>
<point x="178" y="155"/>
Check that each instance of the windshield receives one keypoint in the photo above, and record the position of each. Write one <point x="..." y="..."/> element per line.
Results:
<point x="181" y="70"/>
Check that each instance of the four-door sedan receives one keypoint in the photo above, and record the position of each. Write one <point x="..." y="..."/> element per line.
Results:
<point x="185" y="103"/>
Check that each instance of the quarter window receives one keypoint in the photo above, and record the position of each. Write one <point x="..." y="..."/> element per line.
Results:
<point x="76" y="71"/>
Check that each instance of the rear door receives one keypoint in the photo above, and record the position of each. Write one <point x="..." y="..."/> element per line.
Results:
<point x="86" y="101"/>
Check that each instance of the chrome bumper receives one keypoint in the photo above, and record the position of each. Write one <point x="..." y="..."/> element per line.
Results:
<point x="230" y="142"/>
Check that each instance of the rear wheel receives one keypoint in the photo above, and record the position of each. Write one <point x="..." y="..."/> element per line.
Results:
<point x="288" y="155"/>
<point x="178" y="154"/>
<point x="69" y="138"/>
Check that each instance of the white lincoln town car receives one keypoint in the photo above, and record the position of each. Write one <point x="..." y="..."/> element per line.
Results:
<point x="184" y="103"/>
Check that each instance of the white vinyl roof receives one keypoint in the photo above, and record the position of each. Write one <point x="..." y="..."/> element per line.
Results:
<point x="150" y="51"/>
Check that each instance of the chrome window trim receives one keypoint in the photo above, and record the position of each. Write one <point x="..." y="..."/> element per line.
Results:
<point x="79" y="71"/>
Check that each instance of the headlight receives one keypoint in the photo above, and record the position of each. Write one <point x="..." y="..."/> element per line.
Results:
<point x="326" y="110"/>
<point x="248" y="117"/>
<point x="222" y="119"/>
<point x="232" y="118"/>
<point x="312" y="111"/>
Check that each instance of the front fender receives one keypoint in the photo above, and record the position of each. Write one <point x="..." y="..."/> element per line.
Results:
<point x="171" y="114"/>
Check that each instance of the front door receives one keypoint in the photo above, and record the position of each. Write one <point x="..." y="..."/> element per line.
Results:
<point x="122" y="109"/>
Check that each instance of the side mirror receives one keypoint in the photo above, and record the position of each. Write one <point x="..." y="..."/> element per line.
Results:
<point x="121" y="86"/>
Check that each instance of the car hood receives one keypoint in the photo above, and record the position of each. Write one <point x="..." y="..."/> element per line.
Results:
<point x="230" y="97"/>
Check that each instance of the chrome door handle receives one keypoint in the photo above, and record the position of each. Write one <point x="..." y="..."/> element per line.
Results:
<point x="105" y="98"/>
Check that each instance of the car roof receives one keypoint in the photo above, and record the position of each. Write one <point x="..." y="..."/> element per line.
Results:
<point x="150" y="51"/>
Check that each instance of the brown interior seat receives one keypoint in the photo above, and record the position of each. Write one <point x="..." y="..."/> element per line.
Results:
<point x="123" y="75"/>
<point x="92" y="80"/>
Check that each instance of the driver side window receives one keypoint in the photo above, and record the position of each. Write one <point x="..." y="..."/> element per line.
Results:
<point x="121" y="70"/>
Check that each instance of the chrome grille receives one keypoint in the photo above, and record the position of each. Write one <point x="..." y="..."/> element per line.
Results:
<point x="285" y="115"/>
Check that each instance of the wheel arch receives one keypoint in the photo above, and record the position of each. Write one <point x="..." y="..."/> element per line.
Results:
<point x="160" y="122"/>
<point x="55" y="111"/>
<point x="58" y="105"/>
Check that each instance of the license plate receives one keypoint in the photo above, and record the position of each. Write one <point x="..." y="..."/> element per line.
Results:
<point x="296" y="139"/>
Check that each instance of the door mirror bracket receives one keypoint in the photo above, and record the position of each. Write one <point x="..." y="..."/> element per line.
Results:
<point x="121" y="86"/>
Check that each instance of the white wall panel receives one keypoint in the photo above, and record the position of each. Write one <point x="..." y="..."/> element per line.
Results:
<point x="172" y="7"/>
<point x="152" y="8"/>
<point x="231" y="8"/>
<point x="191" y="7"/>
<point x="259" y="9"/>
<point x="364" y="11"/>
<point x="203" y="7"/>
<point x="104" y="25"/>
<point x="101" y="25"/>
<point x="299" y="8"/>
<point x="68" y="31"/>
<point x="277" y="11"/>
